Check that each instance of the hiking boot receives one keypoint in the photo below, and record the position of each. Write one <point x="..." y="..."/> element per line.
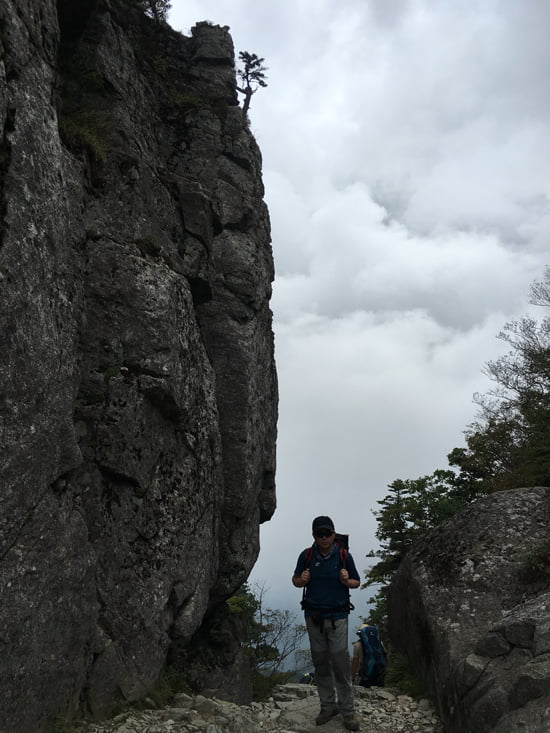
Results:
<point x="324" y="716"/>
<point x="351" y="722"/>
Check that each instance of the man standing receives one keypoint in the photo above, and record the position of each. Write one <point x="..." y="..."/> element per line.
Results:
<point x="327" y="574"/>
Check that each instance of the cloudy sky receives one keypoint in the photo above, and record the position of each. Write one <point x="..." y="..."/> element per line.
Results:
<point x="407" y="172"/>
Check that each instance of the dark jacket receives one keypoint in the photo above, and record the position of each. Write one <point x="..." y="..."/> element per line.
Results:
<point x="325" y="593"/>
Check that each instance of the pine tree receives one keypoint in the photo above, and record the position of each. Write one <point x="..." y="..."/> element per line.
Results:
<point x="252" y="76"/>
<point x="156" y="9"/>
<point x="510" y="443"/>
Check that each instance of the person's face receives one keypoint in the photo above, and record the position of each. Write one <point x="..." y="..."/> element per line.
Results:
<point x="324" y="539"/>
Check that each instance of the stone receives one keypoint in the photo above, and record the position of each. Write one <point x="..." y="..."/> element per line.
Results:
<point x="461" y="609"/>
<point x="493" y="645"/>
<point x="519" y="632"/>
<point x="471" y="669"/>
<point x="139" y="400"/>
<point x="182" y="700"/>
<point x="532" y="682"/>
<point x="177" y="714"/>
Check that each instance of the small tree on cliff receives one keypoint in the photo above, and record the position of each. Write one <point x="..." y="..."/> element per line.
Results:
<point x="157" y="9"/>
<point x="252" y="76"/>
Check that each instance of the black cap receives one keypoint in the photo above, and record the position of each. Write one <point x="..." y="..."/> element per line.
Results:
<point x="322" y="523"/>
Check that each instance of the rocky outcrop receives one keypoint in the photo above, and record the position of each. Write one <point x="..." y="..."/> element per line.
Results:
<point x="137" y="382"/>
<point x="470" y="606"/>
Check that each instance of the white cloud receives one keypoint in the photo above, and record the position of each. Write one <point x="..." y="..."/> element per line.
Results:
<point x="407" y="168"/>
<point x="353" y="258"/>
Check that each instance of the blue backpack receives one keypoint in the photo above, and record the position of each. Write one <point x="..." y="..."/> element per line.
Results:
<point x="375" y="658"/>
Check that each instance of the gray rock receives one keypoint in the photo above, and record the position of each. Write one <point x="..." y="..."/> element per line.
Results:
<point x="533" y="681"/>
<point x="471" y="669"/>
<point x="139" y="399"/>
<point x="182" y="700"/>
<point x="493" y="645"/>
<point x="462" y="607"/>
<point x="519" y="632"/>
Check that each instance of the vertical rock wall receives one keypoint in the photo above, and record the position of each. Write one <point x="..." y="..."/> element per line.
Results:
<point x="138" y="392"/>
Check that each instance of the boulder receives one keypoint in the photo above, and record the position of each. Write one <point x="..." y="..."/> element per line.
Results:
<point x="473" y="616"/>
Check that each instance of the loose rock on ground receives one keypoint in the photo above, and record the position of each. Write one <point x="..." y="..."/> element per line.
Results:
<point x="291" y="709"/>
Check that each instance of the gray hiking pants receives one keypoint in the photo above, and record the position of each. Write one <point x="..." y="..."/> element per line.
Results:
<point x="329" y="651"/>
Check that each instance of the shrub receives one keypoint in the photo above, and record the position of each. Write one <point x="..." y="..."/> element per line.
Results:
<point x="536" y="564"/>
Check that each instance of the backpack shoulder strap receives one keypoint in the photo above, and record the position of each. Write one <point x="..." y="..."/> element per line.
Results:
<point x="307" y="557"/>
<point x="344" y="563"/>
<point x="342" y="552"/>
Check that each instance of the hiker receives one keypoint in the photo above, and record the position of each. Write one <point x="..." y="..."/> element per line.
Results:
<point x="370" y="658"/>
<point x="356" y="658"/>
<point x="326" y="571"/>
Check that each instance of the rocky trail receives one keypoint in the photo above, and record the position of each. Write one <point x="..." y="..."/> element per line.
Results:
<point x="291" y="709"/>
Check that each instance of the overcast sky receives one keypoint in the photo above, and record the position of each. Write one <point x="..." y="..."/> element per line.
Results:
<point x="406" y="162"/>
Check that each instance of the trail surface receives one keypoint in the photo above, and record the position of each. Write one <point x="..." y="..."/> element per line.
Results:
<point x="292" y="709"/>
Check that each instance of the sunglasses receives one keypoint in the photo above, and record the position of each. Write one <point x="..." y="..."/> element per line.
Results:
<point x="323" y="533"/>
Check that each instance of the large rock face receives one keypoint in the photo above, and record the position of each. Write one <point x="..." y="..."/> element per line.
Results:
<point x="470" y="608"/>
<point x="137" y="381"/>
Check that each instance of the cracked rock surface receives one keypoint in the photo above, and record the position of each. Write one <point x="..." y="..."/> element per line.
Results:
<point x="138" y="395"/>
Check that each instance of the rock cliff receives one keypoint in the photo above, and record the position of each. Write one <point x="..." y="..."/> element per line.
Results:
<point x="470" y="606"/>
<point x="138" y="394"/>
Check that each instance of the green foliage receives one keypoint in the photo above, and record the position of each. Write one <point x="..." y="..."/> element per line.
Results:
<point x="536" y="565"/>
<point x="400" y="674"/>
<point x="156" y="9"/>
<point x="83" y="130"/>
<point x="253" y="71"/>
<point x="160" y="66"/>
<point x="252" y="76"/>
<point x="414" y="506"/>
<point x="408" y="512"/>
<point x="169" y="684"/>
<point x="509" y="447"/>
<point x="182" y="100"/>
<point x="378" y="611"/>
<point x="177" y="98"/>
<point x="270" y="636"/>
<point x="263" y="685"/>
<point x="188" y="101"/>
<point x="245" y="605"/>
<point x="303" y="661"/>
<point x="83" y="126"/>
<point x="112" y="371"/>
<point x="61" y="725"/>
